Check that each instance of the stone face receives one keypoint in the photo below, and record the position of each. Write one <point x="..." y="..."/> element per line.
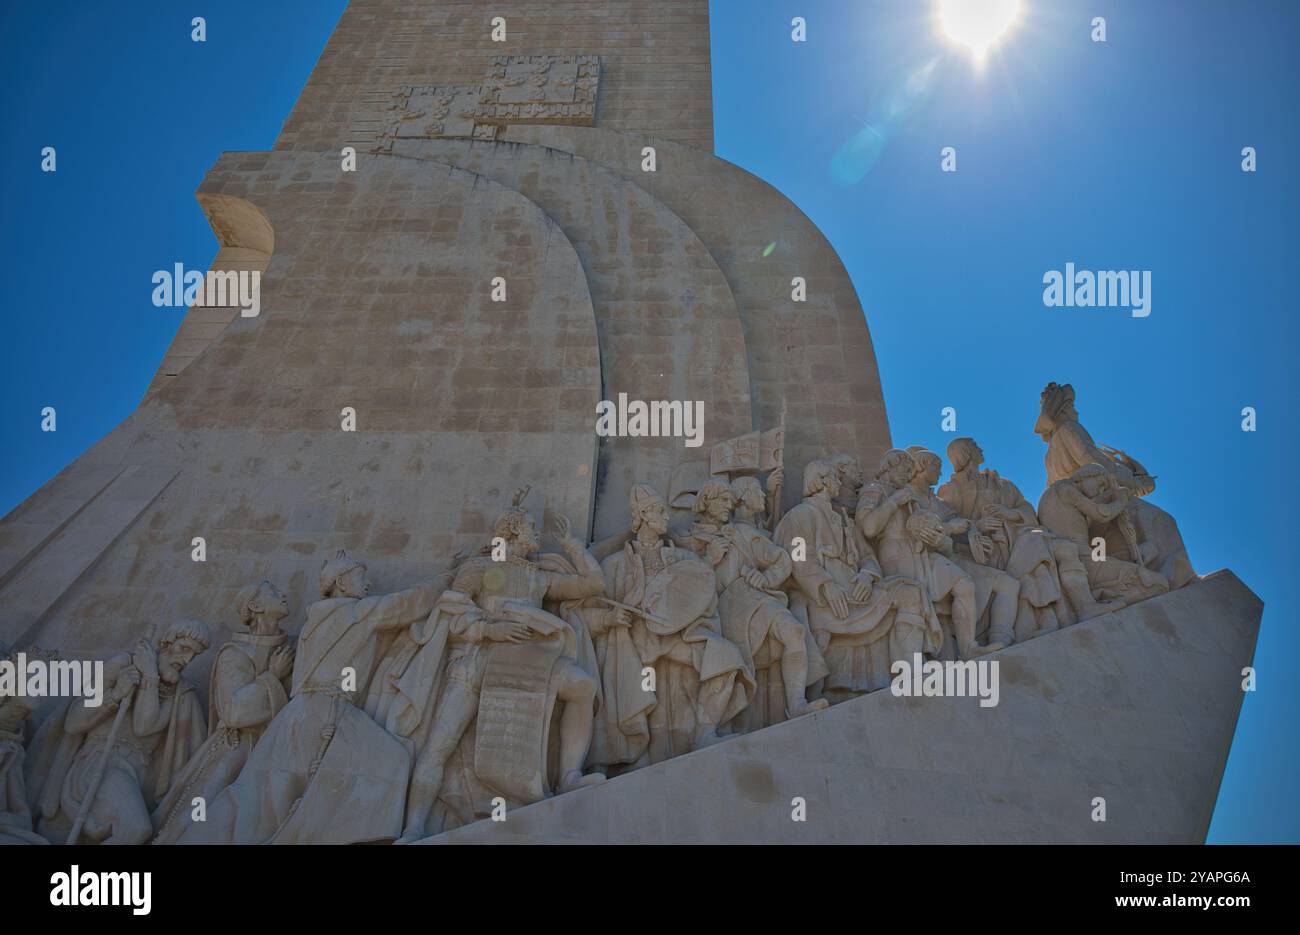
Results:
<point x="1138" y="707"/>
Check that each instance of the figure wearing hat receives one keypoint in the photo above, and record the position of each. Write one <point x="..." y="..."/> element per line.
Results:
<point x="325" y="772"/>
<point x="666" y="614"/>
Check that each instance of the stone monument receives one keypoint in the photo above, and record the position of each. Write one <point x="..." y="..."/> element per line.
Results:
<point x="496" y="255"/>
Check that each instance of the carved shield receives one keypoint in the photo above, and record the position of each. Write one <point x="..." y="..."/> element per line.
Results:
<point x="679" y="595"/>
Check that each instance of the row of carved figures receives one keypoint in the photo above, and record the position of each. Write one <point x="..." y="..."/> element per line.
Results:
<point x="513" y="675"/>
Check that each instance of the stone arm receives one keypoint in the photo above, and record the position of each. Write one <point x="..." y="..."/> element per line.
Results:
<point x="808" y="574"/>
<point x="875" y="510"/>
<point x="149" y="715"/>
<point x="588" y="582"/>
<point x="1095" y="510"/>
<point x="1026" y="516"/>
<point x="81" y="718"/>
<point x="954" y="524"/>
<point x="246" y="699"/>
<point x="394" y="611"/>
<point x="773" y="561"/>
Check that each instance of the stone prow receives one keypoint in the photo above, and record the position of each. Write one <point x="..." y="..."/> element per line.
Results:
<point x="1137" y="707"/>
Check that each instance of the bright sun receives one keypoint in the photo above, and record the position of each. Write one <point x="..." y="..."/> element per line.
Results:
<point x="977" y="24"/>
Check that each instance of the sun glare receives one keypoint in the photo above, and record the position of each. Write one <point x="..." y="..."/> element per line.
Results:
<point x="977" y="24"/>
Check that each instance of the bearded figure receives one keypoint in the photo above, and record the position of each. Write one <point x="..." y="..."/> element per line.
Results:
<point x="913" y="541"/>
<point x="1054" y="590"/>
<point x="502" y="654"/>
<point x="247" y="688"/>
<point x="861" y="619"/>
<point x="106" y="767"/>
<point x="664" y="611"/>
<point x="325" y="772"/>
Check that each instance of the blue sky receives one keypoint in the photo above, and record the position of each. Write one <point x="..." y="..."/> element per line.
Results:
<point x="1115" y="155"/>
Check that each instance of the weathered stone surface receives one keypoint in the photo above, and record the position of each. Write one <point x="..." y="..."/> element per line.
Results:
<point x="655" y="74"/>
<point x="667" y="322"/>
<point x="1138" y="707"/>
<point x="813" y="359"/>
<point x="377" y="298"/>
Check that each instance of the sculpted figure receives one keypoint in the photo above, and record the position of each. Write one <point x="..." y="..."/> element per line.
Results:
<point x="15" y="813"/>
<point x="1090" y="497"/>
<point x="997" y="594"/>
<point x="665" y="612"/>
<point x="247" y="688"/>
<point x="849" y="478"/>
<point x="1143" y="533"/>
<point x="510" y="662"/>
<point x="912" y="542"/>
<point x="108" y="765"/>
<point x="750" y="570"/>
<point x="325" y="772"/>
<point x="861" y="620"/>
<point x="1054" y="588"/>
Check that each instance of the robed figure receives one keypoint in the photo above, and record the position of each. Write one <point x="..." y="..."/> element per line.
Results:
<point x="751" y="571"/>
<point x="1143" y="533"/>
<point x="499" y="692"/>
<point x="693" y="680"/>
<point x="1054" y="590"/>
<point x="325" y="772"/>
<point x="247" y="688"/>
<point x="15" y="811"/>
<point x="110" y="769"/>
<point x="863" y="621"/>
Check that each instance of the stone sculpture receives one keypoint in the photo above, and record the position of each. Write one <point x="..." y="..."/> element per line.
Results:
<point x="322" y="753"/>
<point x="515" y="675"/>
<point x="97" y="772"/>
<point x="861" y="620"/>
<point x="750" y="570"/>
<point x="665" y="612"/>
<point x="15" y="812"/>
<point x="997" y="594"/>
<point x="911" y="542"/>
<point x="849" y="477"/>
<point x="1054" y="590"/>
<point x="510" y="662"/>
<point x="1087" y="497"/>
<point x="247" y="689"/>
<point x="1147" y="534"/>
